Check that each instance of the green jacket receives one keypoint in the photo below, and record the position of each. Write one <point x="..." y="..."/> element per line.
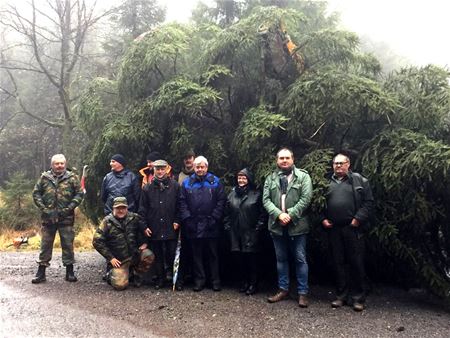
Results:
<point x="298" y="197"/>
<point x="57" y="197"/>
<point x="118" y="239"/>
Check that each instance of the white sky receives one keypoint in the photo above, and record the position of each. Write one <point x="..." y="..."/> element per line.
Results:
<point x="417" y="30"/>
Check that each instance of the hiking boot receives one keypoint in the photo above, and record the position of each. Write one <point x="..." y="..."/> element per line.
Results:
<point x="358" y="307"/>
<point x="303" y="301"/>
<point x="40" y="275"/>
<point x="70" y="276"/>
<point x="337" y="303"/>
<point x="251" y="290"/>
<point x="279" y="296"/>
<point x="244" y="287"/>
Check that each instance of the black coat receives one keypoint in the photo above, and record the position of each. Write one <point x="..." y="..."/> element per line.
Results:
<point x="245" y="217"/>
<point x="159" y="209"/>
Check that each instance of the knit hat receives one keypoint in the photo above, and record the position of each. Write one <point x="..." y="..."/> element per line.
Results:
<point x="119" y="158"/>
<point x="153" y="156"/>
<point x="120" y="202"/>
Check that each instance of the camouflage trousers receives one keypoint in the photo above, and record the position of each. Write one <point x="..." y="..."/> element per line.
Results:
<point x="66" y="235"/>
<point x="120" y="277"/>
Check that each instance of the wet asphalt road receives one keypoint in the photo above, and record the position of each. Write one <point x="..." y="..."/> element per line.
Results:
<point x="90" y="308"/>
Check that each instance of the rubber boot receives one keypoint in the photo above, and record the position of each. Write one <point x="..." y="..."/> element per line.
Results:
<point x="40" y="275"/>
<point x="70" y="276"/>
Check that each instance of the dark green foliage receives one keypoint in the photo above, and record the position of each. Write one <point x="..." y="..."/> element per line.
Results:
<point x="424" y="95"/>
<point x="236" y="96"/>
<point x="17" y="210"/>
<point x="409" y="174"/>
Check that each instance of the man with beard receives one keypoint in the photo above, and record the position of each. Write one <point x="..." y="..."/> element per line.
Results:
<point x="286" y="197"/>
<point x="57" y="193"/>
<point x="158" y="208"/>
<point x="188" y="166"/>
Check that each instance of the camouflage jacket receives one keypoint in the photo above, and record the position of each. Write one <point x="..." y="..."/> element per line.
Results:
<point x="57" y="197"/>
<point x="118" y="239"/>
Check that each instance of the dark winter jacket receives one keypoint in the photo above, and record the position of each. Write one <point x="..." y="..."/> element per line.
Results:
<point x="202" y="202"/>
<point x="158" y="208"/>
<point x="245" y="217"/>
<point x="121" y="184"/>
<point x="363" y="198"/>
<point x="57" y="197"/>
<point x="118" y="239"/>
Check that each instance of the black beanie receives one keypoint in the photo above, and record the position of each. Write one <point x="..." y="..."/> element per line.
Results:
<point x="119" y="158"/>
<point x="153" y="156"/>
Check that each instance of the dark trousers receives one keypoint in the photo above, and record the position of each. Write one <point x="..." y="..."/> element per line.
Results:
<point x="205" y="249"/>
<point x="247" y="266"/>
<point x="347" y="245"/>
<point x="164" y="256"/>
<point x="185" y="268"/>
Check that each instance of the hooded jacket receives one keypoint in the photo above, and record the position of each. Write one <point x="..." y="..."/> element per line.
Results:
<point x="245" y="216"/>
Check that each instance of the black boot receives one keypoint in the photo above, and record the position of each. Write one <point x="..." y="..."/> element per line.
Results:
<point x="70" y="276"/>
<point x="40" y="275"/>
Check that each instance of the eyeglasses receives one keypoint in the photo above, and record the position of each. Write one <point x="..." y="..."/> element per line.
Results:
<point x="339" y="163"/>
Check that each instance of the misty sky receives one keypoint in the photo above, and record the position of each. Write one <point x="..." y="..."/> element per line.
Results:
<point x="417" y="30"/>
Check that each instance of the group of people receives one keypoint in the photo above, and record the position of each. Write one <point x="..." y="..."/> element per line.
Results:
<point x="144" y="221"/>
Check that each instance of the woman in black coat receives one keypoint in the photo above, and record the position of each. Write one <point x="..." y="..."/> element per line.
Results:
<point x="245" y="219"/>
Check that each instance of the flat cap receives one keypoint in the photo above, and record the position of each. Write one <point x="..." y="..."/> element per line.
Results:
<point x="160" y="163"/>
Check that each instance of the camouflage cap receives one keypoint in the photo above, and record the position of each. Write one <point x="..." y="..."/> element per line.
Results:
<point x="160" y="163"/>
<point x="120" y="202"/>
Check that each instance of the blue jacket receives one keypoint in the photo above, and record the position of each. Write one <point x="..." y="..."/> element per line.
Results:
<point x="117" y="184"/>
<point x="202" y="202"/>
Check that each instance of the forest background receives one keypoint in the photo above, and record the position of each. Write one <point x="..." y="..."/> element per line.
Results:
<point x="235" y="83"/>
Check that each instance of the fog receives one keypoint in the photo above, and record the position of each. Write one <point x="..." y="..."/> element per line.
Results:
<point x="415" y="30"/>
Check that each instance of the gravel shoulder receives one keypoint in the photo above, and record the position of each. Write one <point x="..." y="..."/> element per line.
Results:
<point x="91" y="308"/>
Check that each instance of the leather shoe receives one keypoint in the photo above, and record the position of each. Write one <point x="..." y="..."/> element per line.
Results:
<point x="358" y="307"/>
<point x="251" y="290"/>
<point x="216" y="288"/>
<point x="303" y="301"/>
<point x="279" y="296"/>
<point x="337" y="303"/>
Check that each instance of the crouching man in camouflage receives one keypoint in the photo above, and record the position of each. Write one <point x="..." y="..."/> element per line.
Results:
<point x="118" y="240"/>
<point x="57" y="193"/>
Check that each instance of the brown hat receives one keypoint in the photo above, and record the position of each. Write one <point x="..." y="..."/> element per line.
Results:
<point x="120" y="202"/>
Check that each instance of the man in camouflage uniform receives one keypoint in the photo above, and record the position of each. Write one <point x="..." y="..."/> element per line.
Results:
<point x="57" y="193"/>
<point x="118" y="240"/>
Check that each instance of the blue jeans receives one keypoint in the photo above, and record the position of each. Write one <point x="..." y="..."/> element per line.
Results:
<point x="297" y="246"/>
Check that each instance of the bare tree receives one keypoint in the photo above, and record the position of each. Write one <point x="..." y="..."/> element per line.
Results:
<point x="55" y="35"/>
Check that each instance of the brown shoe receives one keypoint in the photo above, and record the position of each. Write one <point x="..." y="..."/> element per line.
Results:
<point x="337" y="303"/>
<point x="280" y="295"/>
<point x="303" y="301"/>
<point x="358" y="307"/>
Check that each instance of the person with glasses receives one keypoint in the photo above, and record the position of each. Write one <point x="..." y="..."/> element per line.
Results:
<point x="349" y="203"/>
